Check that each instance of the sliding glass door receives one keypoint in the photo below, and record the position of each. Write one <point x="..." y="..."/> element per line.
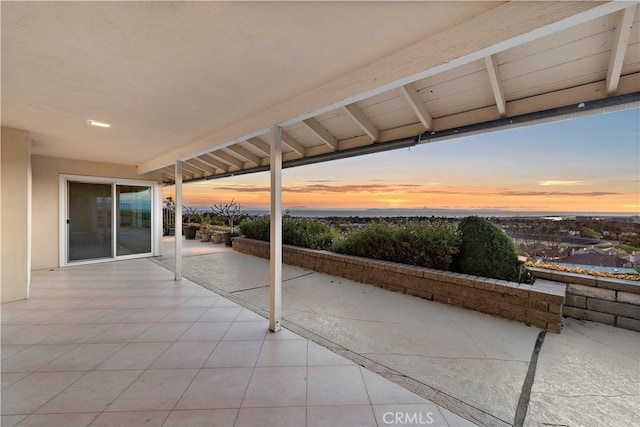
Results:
<point x="106" y="220"/>
<point x="89" y="221"/>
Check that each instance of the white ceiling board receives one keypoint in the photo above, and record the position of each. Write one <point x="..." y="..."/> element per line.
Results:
<point x="167" y="73"/>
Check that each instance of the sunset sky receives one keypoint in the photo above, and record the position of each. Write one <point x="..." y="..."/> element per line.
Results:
<point x="590" y="164"/>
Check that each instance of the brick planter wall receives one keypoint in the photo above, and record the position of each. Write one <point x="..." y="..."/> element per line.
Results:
<point x="599" y="299"/>
<point x="539" y="305"/>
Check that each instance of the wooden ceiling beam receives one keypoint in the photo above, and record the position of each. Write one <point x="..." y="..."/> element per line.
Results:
<point x="321" y="132"/>
<point x="259" y="145"/>
<point x="417" y="105"/>
<point x="212" y="161"/>
<point x="228" y="158"/>
<point x="363" y="121"/>
<point x="293" y="144"/>
<point x="619" y="48"/>
<point x="496" y="84"/>
<point x="197" y="163"/>
<point x="246" y="154"/>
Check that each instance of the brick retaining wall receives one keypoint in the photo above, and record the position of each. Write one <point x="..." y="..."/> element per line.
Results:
<point x="538" y="305"/>
<point x="599" y="299"/>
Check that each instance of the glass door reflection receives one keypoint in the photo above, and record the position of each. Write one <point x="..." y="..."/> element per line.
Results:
<point x="133" y="228"/>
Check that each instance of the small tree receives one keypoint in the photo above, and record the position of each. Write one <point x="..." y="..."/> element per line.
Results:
<point x="191" y="215"/>
<point x="230" y="211"/>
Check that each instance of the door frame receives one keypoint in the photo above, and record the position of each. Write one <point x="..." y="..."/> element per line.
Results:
<point x="63" y="203"/>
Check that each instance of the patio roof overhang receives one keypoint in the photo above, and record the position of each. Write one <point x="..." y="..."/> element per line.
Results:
<point x="572" y="60"/>
<point x="205" y="83"/>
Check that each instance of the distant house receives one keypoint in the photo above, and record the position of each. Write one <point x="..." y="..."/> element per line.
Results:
<point x="594" y="259"/>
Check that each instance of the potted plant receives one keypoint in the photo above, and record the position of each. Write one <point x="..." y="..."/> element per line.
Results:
<point x="191" y="227"/>
<point x="205" y="233"/>
<point x="230" y="212"/>
<point x="216" y="238"/>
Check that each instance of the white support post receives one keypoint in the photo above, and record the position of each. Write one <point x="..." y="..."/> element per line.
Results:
<point x="275" y="258"/>
<point x="178" y="222"/>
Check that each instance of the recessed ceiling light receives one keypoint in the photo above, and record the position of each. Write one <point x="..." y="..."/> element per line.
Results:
<point x="97" y="123"/>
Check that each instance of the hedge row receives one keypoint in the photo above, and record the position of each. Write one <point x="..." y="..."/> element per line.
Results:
<point x="475" y="246"/>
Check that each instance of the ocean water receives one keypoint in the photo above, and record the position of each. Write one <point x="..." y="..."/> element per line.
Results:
<point x="450" y="213"/>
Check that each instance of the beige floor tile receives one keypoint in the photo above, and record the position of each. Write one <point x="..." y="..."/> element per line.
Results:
<point x="341" y="416"/>
<point x="336" y="385"/>
<point x="82" y="358"/>
<point x="34" y="357"/>
<point x="455" y="420"/>
<point x="9" y="379"/>
<point x="185" y="354"/>
<point x="35" y="316"/>
<point x="216" y="388"/>
<point x="76" y="316"/>
<point x="29" y="334"/>
<point x="283" y="334"/>
<point x="7" y="351"/>
<point x="200" y="301"/>
<point x="154" y="391"/>
<point x="134" y="356"/>
<point x="163" y="332"/>
<point x="147" y="315"/>
<point x="120" y="333"/>
<point x="409" y="415"/>
<point x="75" y="334"/>
<point x="184" y="315"/>
<point x="249" y="316"/>
<point x="202" y="418"/>
<point x="11" y="420"/>
<point x="92" y="393"/>
<point x="277" y="386"/>
<point x="234" y="354"/>
<point x="382" y="391"/>
<point x="131" y="419"/>
<point x="206" y="331"/>
<point x="247" y="331"/>
<point x="110" y="316"/>
<point x="283" y="353"/>
<point x="58" y="420"/>
<point x="320" y="356"/>
<point x="223" y="302"/>
<point x="271" y="417"/>
<point x="28" y="394"/>
<point x="221" y="314"/>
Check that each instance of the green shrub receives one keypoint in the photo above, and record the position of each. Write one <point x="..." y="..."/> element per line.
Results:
<point x="487" y="251"/>
<point x="217" y="222"/>
<point x="376" y="241"/>
<point x="424" y="245"/>
<point x="306" y="233"/>
<point x="256" y="229"/>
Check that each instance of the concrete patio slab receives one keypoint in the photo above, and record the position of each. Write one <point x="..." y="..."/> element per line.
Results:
<point x="587" y="376"/>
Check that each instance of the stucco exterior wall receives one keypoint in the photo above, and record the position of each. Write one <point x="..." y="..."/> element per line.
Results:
<point x="15" y="196"/>
<point x="46" y="199"/>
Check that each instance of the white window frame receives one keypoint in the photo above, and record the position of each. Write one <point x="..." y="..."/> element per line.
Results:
<point x="63" y="203"/>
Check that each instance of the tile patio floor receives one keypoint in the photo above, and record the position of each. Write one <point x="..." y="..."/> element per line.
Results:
<point x="122" y="344"/>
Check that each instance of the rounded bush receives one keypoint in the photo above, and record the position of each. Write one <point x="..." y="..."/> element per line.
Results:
<point x="486" y="251"/>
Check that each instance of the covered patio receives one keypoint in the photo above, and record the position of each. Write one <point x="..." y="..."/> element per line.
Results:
<point x="189" y="91"/>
